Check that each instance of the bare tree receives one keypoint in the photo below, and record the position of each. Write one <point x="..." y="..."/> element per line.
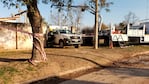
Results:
<point x="69" y="15"/>
<point x="131" y="18"/>
<point x="58" y="18"/>
<point x="74" y="17"/>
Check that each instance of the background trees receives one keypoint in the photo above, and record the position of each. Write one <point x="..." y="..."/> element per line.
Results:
<point x="90" y="30"/>
<point x="35" y="19"/>
<point x="130" y="18"/>
<point x="71" y="17"/>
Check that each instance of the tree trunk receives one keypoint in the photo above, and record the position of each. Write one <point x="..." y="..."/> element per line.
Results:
<point x="38" y="53"/>
<point x="96" y="26"/>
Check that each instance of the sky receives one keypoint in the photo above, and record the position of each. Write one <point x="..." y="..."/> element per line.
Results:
<point x="118" y="10"/>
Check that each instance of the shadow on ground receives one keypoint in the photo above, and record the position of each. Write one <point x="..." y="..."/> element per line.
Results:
<point x="58" y="80"/>
<point x="65" y="79"/>
<point x="12" y="60"/>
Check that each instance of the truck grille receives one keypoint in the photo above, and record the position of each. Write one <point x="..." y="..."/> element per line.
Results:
<point x="75" y="37"/>
<point x="76" y="41"/>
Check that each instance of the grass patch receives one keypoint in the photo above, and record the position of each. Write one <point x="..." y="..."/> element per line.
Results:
<point x="6" y="72"/>
<point x="15" y="53"/>
<point x="29" y="68"/>
<point x="2" y="72"/>
<point x="6" y="69"/>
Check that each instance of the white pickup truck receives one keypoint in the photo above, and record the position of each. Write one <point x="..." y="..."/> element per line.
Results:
<point x="62" y="36"/>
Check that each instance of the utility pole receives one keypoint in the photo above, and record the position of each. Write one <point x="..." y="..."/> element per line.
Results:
<point x="96" y="26"/>
<point x="96" y="13"/>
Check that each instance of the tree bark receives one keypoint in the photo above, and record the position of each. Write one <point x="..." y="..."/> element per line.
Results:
<point x="38" y="53"/>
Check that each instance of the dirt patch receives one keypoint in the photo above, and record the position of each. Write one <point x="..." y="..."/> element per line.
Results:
<point x="139" y="61"/>
<point x="14" y="67"/>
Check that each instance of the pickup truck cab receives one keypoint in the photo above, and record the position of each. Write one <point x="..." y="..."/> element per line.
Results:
<point x="63" y="37"/>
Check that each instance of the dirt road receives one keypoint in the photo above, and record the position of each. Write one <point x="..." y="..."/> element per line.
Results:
<point x="134" y="70"/>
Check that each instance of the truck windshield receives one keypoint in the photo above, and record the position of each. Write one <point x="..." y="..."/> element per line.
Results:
<point x="65" y="31"/>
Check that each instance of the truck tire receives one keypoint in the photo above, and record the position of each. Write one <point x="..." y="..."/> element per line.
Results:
<point x="61" y="44"/>
<point x="77" y="46"/>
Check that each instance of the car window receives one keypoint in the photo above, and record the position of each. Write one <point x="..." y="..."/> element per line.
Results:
<point x="65" y="31"/>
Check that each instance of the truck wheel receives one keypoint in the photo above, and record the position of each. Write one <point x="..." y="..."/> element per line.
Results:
<point x="76" y="46"/>
<point x="61" y="44"/>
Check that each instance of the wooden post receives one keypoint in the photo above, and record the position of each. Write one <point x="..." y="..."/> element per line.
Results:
<point x="96" y="26"/>
<point x="16" y="36"/>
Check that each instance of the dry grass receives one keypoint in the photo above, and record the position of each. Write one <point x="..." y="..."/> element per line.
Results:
<point x="15" y="68"/>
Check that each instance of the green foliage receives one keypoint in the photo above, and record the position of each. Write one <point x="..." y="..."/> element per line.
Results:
<point x="4" y="71"/>
<point x="7" y="70"/>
